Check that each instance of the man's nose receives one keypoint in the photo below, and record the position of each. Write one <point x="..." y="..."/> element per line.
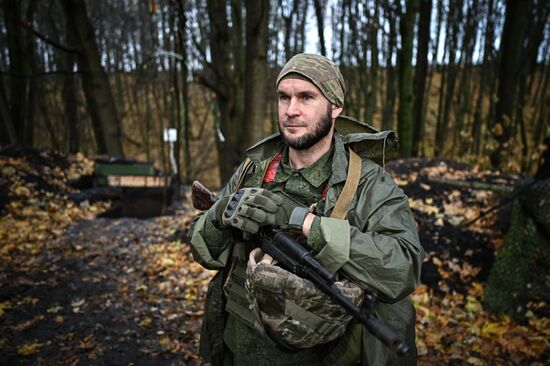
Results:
<point x="293" y="107"/>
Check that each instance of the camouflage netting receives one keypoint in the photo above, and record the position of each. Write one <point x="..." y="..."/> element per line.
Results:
<point x="521" y="271"/>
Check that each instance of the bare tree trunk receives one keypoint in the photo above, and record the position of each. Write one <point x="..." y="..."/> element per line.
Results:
<point x="97" y="90"/>
<point x="300" y="31"/>
<point x="454" y="18"/>
<point x="237" y="35"/>
<point x="288" y="29"/>
<point x="406" y="28"/>
<point x="542" y="129"/>
<point x="438" y="144"/>
<point x="10" y="136"/>
<point x="519" y="121"/>
<point x="257" y="16"/>
<point x="434" y="67"/>
<point x="17" y="97"/>
<point x="185" y="125"/>
<point x="353" y="61"/>
<point x="148" y="123"/>
<point x="162" y="113"/>
<point x="223" y="79"/>
<point x="53" y="132"/>
<point x="534" y="37"/>
<point x="387" y="116"/>
<point x="372" y="41"/>
<point x="33" y="86"/>
<point x="541" y="106"/>
<point x="543" y="170"/>
<point x="70" y="96"/>
<point x="485" y="69"/>
<point x="319" y="14"/>
<point x="420" y="74"/>
<point x="464" y="103"/>
<point x="515" y="24"/>
<point x="544" y="70"/>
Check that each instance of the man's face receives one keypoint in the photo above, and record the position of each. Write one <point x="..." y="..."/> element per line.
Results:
<point x="305" y="115"/>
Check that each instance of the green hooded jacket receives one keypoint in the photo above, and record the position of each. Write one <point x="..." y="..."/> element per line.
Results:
<point x="377" y="247"/>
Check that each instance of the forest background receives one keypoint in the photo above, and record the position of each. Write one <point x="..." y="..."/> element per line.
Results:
<point x="465" y="79"/>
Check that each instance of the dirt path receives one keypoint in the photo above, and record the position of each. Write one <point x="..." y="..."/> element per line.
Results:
<point x="115" y="292"/>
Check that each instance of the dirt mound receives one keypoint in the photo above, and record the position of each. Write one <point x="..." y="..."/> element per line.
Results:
<point x="46" y="173"/>
<point x="444" y="195"/>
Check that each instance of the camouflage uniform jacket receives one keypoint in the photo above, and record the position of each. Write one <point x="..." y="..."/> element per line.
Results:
<point x="377" y="247"/>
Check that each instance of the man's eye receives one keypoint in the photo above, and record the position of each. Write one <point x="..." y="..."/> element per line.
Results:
<point x="283" y="97"/>
<point x="306" y="97"/>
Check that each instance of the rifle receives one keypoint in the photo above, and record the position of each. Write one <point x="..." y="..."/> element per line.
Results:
<point x="293" y="257"/>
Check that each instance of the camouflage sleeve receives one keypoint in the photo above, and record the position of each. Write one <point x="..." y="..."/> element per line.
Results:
<point x="210" y="246"/>
<point x="378" y="248"/>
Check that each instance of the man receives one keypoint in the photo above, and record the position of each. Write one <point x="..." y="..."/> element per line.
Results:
<point x="294" y="181"/>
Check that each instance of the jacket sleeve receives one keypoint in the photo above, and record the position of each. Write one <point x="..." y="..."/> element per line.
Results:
<point x="378" y="248"/>
<point x="210" y="246"/>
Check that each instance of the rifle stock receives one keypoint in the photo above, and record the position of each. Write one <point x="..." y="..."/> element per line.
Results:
<point x="201" y="197"/>
<point x="295" y="258"/>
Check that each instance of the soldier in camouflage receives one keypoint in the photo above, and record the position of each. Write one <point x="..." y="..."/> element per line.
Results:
<point x="257" y="313"/>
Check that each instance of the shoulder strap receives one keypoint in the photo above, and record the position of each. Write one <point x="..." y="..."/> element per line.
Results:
<point x="350" y="187"/>
<point x="246" y="165"/>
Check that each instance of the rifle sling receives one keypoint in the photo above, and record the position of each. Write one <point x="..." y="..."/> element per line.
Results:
<point x="350" y="187"/>
<point x="246" y="165"/>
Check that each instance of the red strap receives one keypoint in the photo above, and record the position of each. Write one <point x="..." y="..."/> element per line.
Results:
<point x="324" y="194"/>
<point x="271" y="171"/>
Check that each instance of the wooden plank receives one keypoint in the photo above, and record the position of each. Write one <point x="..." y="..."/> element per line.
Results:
<point x="137" y="181"/>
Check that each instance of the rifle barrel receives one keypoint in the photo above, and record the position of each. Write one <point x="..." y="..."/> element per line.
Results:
<point x="300" y="254"/>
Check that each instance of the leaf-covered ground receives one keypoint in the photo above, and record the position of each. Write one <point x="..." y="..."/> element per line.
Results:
<point x="77" y="289"/>
<point x="453" y="328"/>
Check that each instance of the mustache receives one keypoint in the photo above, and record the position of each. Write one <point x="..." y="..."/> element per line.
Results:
<point x="294" y="123"/>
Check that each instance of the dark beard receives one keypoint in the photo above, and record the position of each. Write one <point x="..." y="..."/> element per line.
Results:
<point x="322" y="129"/>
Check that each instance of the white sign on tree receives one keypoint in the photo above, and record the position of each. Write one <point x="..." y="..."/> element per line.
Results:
<point x="171" y="136"/>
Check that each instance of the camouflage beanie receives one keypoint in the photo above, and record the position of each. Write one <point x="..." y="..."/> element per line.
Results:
<point x="320" y="71"/>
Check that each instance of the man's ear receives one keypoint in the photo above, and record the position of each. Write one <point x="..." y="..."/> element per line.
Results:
<point x="335" y="112"/>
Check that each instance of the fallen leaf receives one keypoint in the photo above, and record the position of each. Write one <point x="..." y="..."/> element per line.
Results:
<point x="491" y="329"/>
<point x="87" y="343"/>
<point x="30" y="300"/>
<point x="475" y="361"/>
<point x="29" y="348"/>
<point x="425" y="186"/>
<point x="5" y="306"/>
<point x="146" y="322"/>
<point x="59" y="319"/>
<point x="77" y="303"/>
<point x="54" y="309"/>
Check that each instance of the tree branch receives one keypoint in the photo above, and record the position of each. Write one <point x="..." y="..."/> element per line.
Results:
<point x="201" y="51"/>
<point x="48" y="40"/>
<point x="207" y="81"/>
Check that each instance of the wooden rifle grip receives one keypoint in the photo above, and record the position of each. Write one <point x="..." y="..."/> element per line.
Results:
<point x="201" y="197"/>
